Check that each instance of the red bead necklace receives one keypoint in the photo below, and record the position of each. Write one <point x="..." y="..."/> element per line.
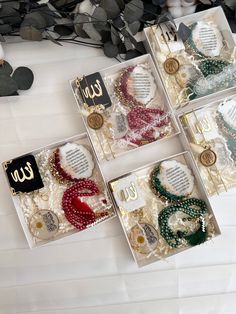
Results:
<point x="143" y="123"/>
<point x="121" y="88"/>
<point x="78" y="213"/>
<point x="60" y="170"/>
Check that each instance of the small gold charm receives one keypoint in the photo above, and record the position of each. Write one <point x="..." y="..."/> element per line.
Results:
<point x="208" y="157"/>
<point x="95" y="120"/>
<point x="171" y="66"/>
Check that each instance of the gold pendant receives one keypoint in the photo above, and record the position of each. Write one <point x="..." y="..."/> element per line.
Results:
<point x="208" y="157"/>
<point x="171" y="66"/>
<point x="95" y="120"/>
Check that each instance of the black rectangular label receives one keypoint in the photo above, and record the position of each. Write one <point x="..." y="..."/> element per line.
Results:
<point x="23" y="174"/>
<point x="93" y="91"/>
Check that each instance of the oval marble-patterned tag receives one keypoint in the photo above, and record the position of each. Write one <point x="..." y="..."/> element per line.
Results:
<point x="119" y="124"/>
<point x="141" y="85"/>
<point x="143" y="238"/>
<point x="76" y="160"/>
<point x="44" y="224"/>
<point x="176" y="178"/>
<point x="228" y="111"/>
<point x="207" y="38"/>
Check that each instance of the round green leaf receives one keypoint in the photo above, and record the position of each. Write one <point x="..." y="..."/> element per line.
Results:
<point x="111" y="7"/>
<point x="35" y="19"/>
<point x="5" y="68"/>
<point x="23" y="77"/>
<point x="7" y="85"/>
<point x="110" y="50"/>
<point x="133" y="11"/>
<point x="63" y="30"/>
<point x="5" y="29"/>
<point x="30" y="33"/>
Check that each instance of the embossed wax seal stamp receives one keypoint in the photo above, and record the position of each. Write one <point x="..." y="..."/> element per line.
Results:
<point x="95" y="120"/>
<point x="208" y="157"/>
<point x="171" y="66"/>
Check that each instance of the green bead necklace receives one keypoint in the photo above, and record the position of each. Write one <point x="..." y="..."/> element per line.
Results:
<point x="175" y="239"/>
<point x="229" y="134"/>
<point x="207" y="66"/>
<point x="160" y="190"/>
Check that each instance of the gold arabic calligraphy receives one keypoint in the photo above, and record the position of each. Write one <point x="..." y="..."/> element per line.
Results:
<point x="16" y="176"/>
<point x="88" y="94"/>
<point x="129" y="193"/>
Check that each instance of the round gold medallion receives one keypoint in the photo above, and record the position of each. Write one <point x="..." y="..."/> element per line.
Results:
<point x="208" y="157"/>
<point x="171" y="65"/>
<point x="95" y="120"/>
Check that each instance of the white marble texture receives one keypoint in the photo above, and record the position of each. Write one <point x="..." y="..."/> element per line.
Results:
<point x="93" y="272"/>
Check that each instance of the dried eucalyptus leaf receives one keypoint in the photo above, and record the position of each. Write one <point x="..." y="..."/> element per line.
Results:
<point x="79" y="30"/>
<point x="115" y="37"/>
<point x="184" y="32"/>
<point x="92" y="32"/>
<point x="14" y="4"/>
<point x="111" y="7"/>
<point x="99" y="18"/>
<point x="53" y="9"/>
<point x="86" y="7"/>
<point x="63" y="30"/>
<point x="59" y="3"/>
<point x="23" y="77"/>
<point x="231" y="4"/>
<point x="9" y="15"/>
<point x="106" y="36"/>
<point x="48" y="15"/>
<point x="132" y="54"/>
<point x="14" y="94"/>
<point x="134" y="27"/>
<point x="78" y="25"/>
<point x="30" y="33"/>
<point x="76" y="9"/>
<point x="139" y="46"/>
<point x="128" y="44"/>
<point x="121" y="48"/>
<point x="6" y="68"/>
<point x="35" y="19"/>
<point x="121" y="4"/>
<point x="118" y="22"/>
<point x="5" y="29"/>
<point x="8" y="86"/>
<point x="133" y="11"/>
<point x="110" y="50"/>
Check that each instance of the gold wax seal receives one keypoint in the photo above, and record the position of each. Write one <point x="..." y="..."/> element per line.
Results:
<point x="171" y="65"/>
<point x="95" y="120"/>
<point x="208" y="157"/>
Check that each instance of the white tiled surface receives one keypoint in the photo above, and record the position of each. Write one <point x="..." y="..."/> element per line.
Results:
<point x="93" y="272"/>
